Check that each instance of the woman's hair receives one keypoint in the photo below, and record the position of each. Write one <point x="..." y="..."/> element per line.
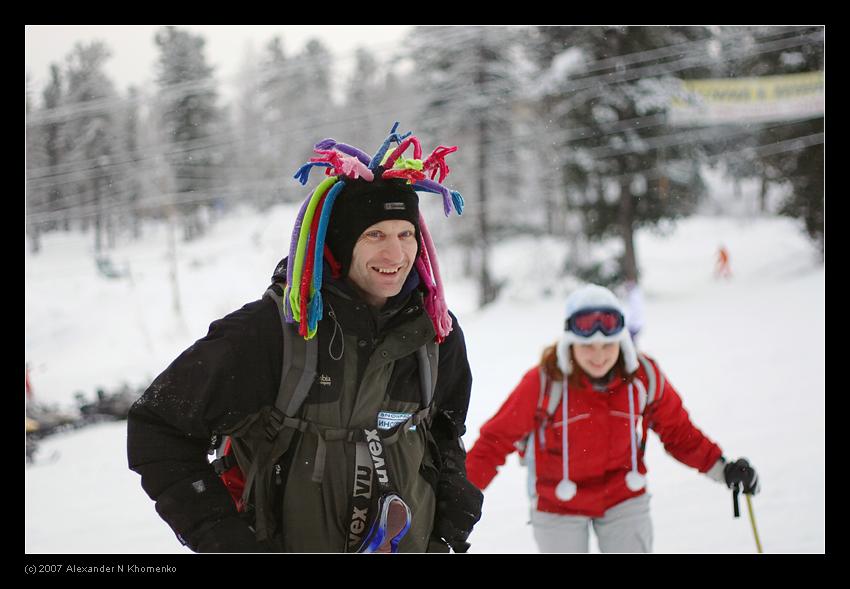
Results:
<point x="549" y="363"/>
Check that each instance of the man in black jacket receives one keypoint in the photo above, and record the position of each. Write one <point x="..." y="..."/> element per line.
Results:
<point x="377" y="312"/>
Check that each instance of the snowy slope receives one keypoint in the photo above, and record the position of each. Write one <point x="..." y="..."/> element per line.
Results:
<point x="747" y="356"/>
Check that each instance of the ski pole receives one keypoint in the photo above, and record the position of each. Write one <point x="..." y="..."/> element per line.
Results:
<point x="736" y="512"/>
<point x="753" y="522"/>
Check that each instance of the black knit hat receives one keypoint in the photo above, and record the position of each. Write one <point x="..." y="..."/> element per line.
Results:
<point x="361" y="204"/>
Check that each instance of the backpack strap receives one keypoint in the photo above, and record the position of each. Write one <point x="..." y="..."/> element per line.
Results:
<point x="300" y="360"/>
<point x="653" y="390"/>
<point x="541" y="415"/>
<point x="279" y="424"/>
<point x="429" y="358"/>
<point x="650" y="374"/>
<point x="555" y="393"/>
<point x="537" y="437"/>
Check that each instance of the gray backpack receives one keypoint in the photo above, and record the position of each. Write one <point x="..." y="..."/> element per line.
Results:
<point x="251" y="459"/>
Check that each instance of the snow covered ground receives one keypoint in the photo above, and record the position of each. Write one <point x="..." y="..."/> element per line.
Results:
<point x="747" y="356"/>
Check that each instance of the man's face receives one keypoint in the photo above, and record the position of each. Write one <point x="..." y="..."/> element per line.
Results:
<point x="382" y="258"/>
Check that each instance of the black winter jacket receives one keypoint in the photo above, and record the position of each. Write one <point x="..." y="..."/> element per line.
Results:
<point x="234" y="371"/>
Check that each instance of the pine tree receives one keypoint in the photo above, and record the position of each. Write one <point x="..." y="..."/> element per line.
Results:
<point x="36" y="163"/>
<point x="312" y="110"/>
<point x="297" y="92"/>
<point x="275" y="94"/>
<point x="784" y="152"/>
<point x="245" y="154"/>
<point x="188" y="96"/>
<point x="368" y="106"/>
<point x="89" y="143"/>
<point x="132" y="147"/>
<point x="51" y="132"/>
<point x="606" y="90"/>
<point x="468" y="94"/>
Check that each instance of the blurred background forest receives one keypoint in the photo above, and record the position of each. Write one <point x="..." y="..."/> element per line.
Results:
<point x="569" y="131"/>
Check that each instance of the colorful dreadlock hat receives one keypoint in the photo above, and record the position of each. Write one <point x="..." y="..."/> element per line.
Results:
<point x="360" y="191"/>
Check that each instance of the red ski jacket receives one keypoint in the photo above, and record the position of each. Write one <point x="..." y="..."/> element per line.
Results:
<point x="598" y="438"/>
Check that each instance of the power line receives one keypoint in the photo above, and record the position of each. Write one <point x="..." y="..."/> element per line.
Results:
<point x="234" y="192"/>
<point x="564" y="136"/>
<point x="77" y="174"/>
<point x="299" y="64"/>
<point x="696" y="46"/>
<point x="480" y="88"/>
<point x="508" y="145"/>
<point x="683" y="63"/>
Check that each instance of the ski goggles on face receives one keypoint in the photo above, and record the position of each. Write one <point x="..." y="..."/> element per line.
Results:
<point x="390" y="526"/>
<point x="587" y="322"/>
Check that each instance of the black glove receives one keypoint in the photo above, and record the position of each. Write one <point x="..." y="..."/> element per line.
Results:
<point x="458" y="510"/>
<point x="742" y="473"/>
<point x="230" y="534"/>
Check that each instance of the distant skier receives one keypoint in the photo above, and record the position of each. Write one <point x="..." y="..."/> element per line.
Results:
<point x="583" y="436"/>
<point x="721" y="267"/>
<point x="633" y="295"/>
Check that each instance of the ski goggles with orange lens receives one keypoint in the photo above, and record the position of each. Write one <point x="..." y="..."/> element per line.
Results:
<point x="588" y="321"/>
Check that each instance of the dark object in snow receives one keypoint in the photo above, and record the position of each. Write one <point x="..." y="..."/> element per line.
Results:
<point x="107" y="268"/>
<point x="108" y="406"/>
<point x="43" y="420"/>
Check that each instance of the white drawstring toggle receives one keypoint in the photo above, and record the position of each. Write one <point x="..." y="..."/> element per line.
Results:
<point x="566" y="489"/>
<point x="634" y="480"/>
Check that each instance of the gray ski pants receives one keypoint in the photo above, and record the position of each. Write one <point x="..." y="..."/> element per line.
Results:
<point x="626" y="527"/>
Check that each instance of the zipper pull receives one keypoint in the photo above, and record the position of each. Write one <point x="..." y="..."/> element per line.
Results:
<point x="277" y="478"/>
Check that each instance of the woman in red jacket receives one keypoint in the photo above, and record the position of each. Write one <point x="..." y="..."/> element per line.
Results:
<point x="583" y="436"/>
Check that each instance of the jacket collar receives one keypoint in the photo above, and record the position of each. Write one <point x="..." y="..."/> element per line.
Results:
<point x="606" y="384"/>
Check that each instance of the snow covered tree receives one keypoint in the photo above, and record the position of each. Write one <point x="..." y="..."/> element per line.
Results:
<point x="368" y="105"/>
<point x="247" y="154"/>
<point x="132" y="146"/>
<point x="51" y="134"/>
<point x="312" y="111"/>
<point x="605" y="91"/>
<point x="74" y="170"/>
<point x="276" y="98"/>
<point x="188" y="95"/>
<point x="468" y="89"/>
<point x="36" y="161"/>
<point x="90" y="140"/>
<point x="786" y="151"/>
<point x="283" y="112"/>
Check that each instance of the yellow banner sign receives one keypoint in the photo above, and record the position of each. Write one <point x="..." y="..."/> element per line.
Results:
<point x="745" y="100"/>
